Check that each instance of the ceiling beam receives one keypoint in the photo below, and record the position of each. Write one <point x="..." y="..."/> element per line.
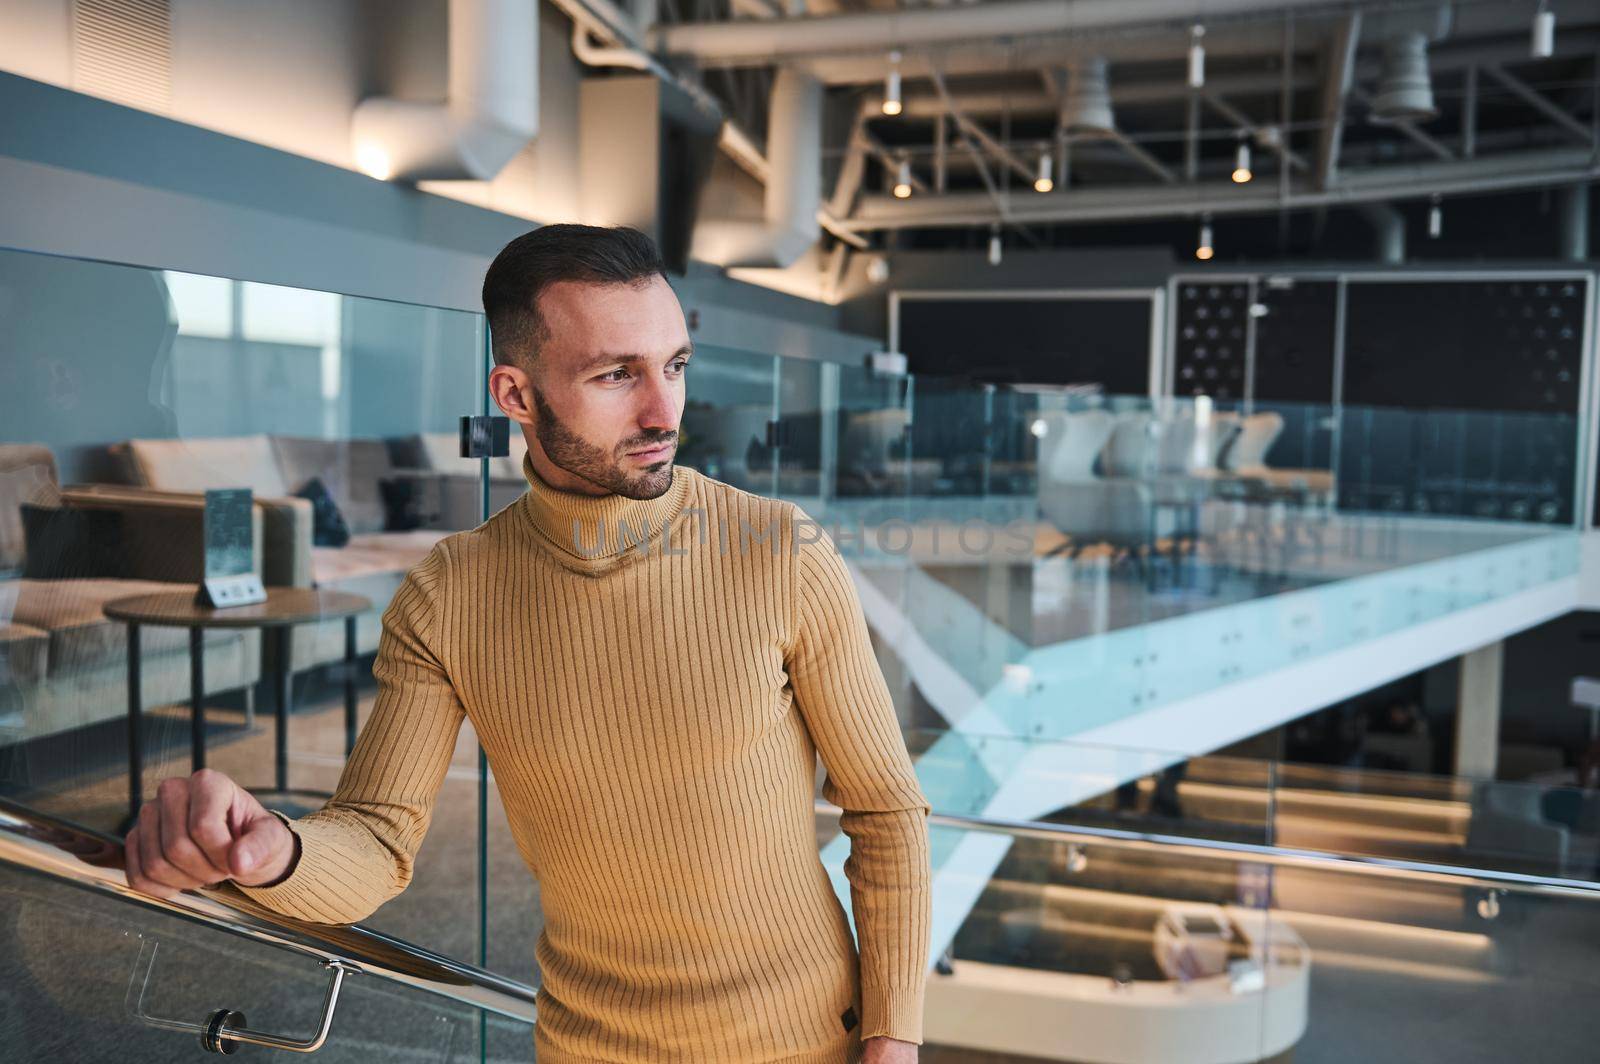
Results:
<point x="1145" y="202"/>
<point x="1524" y="92"/>
<point x="1144" y="158"/>
<point x="1406" y="127"/>
<point x="1273" y="140"/>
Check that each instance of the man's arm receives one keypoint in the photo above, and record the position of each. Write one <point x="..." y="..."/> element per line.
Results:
<point x="841" y="694"/>
<point x="356" y="852"/>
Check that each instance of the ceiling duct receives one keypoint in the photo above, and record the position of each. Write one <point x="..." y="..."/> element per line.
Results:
<point x="768" y="40"/>
<point x="788" y="227"/>
<point x="490" y="114"/>
<point x="1405" y="90"/>
<point x="1086" y="108"/>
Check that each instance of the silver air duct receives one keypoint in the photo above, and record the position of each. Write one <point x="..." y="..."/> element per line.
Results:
<point x="490" y="115"/>
<point x="1087" y="105"/>
<point x="1405" y="91"/>
<point x="794" y="188"/>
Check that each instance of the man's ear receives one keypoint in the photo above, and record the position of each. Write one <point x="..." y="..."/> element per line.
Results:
<point x="510" y="388"/>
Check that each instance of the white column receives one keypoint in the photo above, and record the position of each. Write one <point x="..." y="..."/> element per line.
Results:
<point x="1478" y="711"/>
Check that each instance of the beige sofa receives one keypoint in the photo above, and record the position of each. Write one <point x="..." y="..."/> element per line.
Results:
<point x="63" y="663"/>
<point x="372" y="563"/>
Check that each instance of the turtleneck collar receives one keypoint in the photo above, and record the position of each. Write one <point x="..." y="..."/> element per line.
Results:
<point x="594" y="532"/>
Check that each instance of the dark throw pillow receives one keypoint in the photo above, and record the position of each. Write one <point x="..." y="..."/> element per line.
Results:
<point x="328" y="528"/>
<point x="406" y="503"/>
<point x="69" y="542"/>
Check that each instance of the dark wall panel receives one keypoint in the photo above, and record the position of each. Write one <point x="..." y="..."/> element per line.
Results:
<point x="1294" y="367"/>
<point x="1465" y="345"/>
<point x="1034" y="341"/>
<point x="1495" y="365"/>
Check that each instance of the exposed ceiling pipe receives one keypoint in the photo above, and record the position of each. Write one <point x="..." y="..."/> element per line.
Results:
<point x="603" y="20"/>
<point x="1573" y="219"/>
<point x="1389" y="232"/>
<point x="771" y="39"/>
<point x="490" y="113"/>
<point x="788" y="227"/>
<point x="1039" y="102"/>
<point x="1312" y="37"/>
<point x="1039" y="52"/>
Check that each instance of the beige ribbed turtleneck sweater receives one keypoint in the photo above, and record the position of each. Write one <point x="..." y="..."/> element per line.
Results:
<point x="652" y="716"/>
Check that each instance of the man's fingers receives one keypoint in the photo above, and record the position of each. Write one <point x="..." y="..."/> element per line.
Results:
<point x="136" y="877"/>
<point x="210" y="798"/>
<point x="152" y="862"/>
<point x="177" y="847"/>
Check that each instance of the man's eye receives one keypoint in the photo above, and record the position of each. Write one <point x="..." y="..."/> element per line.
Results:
<point x="613" y="374"/>
<point x="681" y="365"/>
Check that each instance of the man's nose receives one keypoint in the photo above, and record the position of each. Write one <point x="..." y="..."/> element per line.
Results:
<point x="658" y="407"/>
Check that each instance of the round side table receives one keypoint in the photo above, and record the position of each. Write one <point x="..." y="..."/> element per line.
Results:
<point x="284" y="608"/>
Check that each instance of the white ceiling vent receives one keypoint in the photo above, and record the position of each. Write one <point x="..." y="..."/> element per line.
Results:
<point x="122" y="51"/>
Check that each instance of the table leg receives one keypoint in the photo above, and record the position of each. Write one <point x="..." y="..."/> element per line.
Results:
<point x="283" y="678"/>
<point x="197" y="700"/>
<point x="135" y="727"/>
<point x="349" y="684"/>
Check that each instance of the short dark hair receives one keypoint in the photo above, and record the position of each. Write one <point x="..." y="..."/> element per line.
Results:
<point x="536" y="260"/>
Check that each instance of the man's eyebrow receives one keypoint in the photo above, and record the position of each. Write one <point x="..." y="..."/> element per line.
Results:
<point x="628" y="359"/>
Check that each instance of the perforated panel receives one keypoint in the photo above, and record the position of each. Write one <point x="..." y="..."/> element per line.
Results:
<point x="1210" y="349"/>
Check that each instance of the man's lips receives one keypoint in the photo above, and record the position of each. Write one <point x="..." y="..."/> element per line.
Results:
<point x="652" y="452"/>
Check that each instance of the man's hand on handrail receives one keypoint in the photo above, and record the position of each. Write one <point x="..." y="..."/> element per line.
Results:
<point x="203" y="830"/>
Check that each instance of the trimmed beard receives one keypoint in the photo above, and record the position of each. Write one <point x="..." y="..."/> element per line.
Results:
<point x="578" y="456"/>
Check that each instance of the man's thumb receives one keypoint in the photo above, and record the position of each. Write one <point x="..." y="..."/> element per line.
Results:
<point x="251" y="851"/>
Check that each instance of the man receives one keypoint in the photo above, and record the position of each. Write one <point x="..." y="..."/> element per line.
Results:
<point x="652" y="661"/>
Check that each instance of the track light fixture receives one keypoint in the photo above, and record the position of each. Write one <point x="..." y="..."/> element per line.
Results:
<point x="1435" y="218"/>
<point x="1045" y="181"/>
<point x="1197" y="57"/>
<point x="1241" y="162"/>
<point x="891" y="86"/>
<point x="1543" y="45"/>
<point x="902" y="180"/>
<point x="994" y="245"/>
<point x="1203" y="249"/>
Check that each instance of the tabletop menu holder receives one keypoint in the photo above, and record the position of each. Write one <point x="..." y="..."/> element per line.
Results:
<point x="229" y="578"/>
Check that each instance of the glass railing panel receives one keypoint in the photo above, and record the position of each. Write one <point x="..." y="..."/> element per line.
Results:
<point x="1102" y="952"/>
<point x="870" y="443"/>
<point x="1383" y="942"/>
<point x="729" y="403"/>
<point x="1164" y="557"/>
<point x="133" y="392"/>
<point x="92" y="978"/>
<point x="807" y="415"/>
<point x="1439" y="969"/>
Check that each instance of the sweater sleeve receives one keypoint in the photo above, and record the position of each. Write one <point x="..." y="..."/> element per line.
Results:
<point x="841" y="694"/>
<point x="356" y="851"/>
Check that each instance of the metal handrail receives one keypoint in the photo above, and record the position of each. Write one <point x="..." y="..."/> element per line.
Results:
<point x="89" y="860"/>
<point x="1259" y="853"/>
